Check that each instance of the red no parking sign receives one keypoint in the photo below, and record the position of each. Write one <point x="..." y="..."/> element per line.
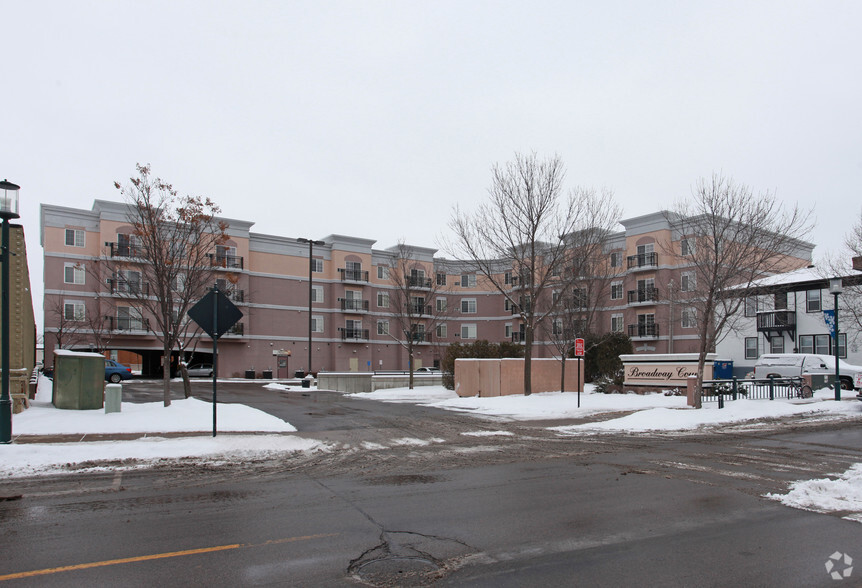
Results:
<point x="579" y="347"/>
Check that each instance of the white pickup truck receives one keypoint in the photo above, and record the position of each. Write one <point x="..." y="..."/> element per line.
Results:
<point x="793" y="365"/>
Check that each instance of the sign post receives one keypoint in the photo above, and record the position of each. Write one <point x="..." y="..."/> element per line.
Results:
<point x="579" y="354"/>
<point x="215" y="314"/>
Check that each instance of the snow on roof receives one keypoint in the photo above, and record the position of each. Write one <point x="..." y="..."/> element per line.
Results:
<point x="71" y="353"/>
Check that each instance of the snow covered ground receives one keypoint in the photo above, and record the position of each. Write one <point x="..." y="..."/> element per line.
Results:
<point x="612" y="414"/>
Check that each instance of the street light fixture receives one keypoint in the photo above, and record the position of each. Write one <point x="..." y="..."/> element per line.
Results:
<point x="836" y="288"/>
<point x="8" y="211"/>
<point x="311" y="245"/>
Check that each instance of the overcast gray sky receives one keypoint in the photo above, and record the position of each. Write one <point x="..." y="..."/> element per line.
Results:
<point x="373" y="119"/>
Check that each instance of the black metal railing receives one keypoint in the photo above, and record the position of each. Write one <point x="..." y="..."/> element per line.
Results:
<point x="518" y="337"/>
<point x="418" y="282"/>
<point x="353" y="304"/>
<point x="124" y="250"/>
<point x="132" y="288"/>
<point x="420" y="310"/>
<point x="777" y="319"/>
<point x="421" y="337"/>
<point x="237" y="295"/>
<point x="353" y="334"/>
<point x="762" y="389"/>
<point x="238" y="330"/>
<point x="643" y="330"/>
<point x="642" y="260"/>
<point x="127" y="323"/>
<point x="643" y="295"/>
<point x="352" y="275"/>
<point x="226" y="261"/>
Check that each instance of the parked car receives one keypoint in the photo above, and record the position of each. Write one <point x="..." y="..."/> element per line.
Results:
<point x="428" y="369"/>
<point x="115" y="372"/>
<point x="794" y="365"/>
<point x="201" y="370"/>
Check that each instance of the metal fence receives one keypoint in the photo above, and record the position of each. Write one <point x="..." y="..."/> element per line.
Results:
<point x="765" y="389"/>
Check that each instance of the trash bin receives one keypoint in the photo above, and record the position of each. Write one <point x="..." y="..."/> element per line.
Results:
<point x="249" y="374"/>
<point x="266" y="374"/>
<point x="722" y="370"/>
<point x="306" y="383"/>
<point x="298" y="374"/>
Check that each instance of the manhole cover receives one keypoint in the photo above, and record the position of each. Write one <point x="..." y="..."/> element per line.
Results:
<point x="402" y="571"/>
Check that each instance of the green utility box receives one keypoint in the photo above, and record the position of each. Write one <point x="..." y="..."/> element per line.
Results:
<point x="79" y="380"/>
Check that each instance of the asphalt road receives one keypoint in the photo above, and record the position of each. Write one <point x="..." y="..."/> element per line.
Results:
<point x="405" y="498"/>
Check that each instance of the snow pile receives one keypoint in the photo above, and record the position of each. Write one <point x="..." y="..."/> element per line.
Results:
<point x="827" y="495"/>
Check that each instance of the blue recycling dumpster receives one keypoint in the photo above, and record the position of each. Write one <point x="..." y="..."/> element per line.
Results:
<point x="722" y="370"/>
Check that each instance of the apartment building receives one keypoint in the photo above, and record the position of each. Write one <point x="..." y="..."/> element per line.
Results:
<point x="355" y="322"/>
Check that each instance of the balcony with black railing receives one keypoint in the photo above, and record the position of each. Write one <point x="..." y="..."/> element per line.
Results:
<point x="226" y="261"/>
<point x="127" y="323"/>
<point x="776" y="320"/>
<point x="642" y="295"/>
<point x="648" y="331"/>
<point x="124" y="250"/>
<point x="643" y="261"/>
<point x="420" y="337"/>
<point x="238" y="330"/>
<point x="353" y="275"/>
<point x="128" y="287"/>
<point x="518" y="337"/>
<point x="237" y="295"/>
<point x="420" y="310"/>
<point x="350" y="334"/>
<point x="353" y="305"/>
<point x="418" y="282"/>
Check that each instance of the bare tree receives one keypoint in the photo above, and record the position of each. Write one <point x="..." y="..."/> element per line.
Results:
<point x="172" y="259"/>
<point x="848" y="264"/>
<point x="70" y="321"/>
<point x="415" y="302"/>
<point x="527" y="225"/>
<point x="730" y="237"/>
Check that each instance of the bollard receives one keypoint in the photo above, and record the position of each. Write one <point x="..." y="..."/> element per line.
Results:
<point x="735" y="388"/>
<point x="720" y="400"/>
<point x="113" y="398"/>
<point x="772" y="387"/>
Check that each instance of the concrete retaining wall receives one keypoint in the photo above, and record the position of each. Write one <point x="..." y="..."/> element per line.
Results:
<point x="352" y="382"/>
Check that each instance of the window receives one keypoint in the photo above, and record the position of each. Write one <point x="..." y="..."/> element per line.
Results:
<point x="317" y="324"/>
<point x="417" y="305"/>
<point x="687" y="246"/>
<point x="781" y="301"/>
<point x="507" y="278"/>
<point x="468" y="305"/>
<point x="822" y="344"/>
<point x="812" y="301"/>
<point x="507" y="305"/>
<point x="317" y="293"/>
<point x="442" y="331"/>
<point x="441" y="279"/>
<point x="468" y="331"/>
<point x="751" y="348"/>
<point x="73" y="273"/>
<point x="557" y="328"/>
<point x="617" y="323"/>
<point x="382" y="327"/>
<point x="129" y="281"/>
<point x="689" y="318"/>
<point x="129" y="319"/>
<point x="508" y="330"/>
<point x="441" y="305"/>
<point x="179" y="283"/>
<point x="842" y="345"/>
<point x="468" y="280"/>
<point x="317" y="265"/>
<point x="73" y="311"/>
<point x="128" y="245"/>
<point x="75" y="237"/>
<point x="776" y="344"/>
<point x="382" y="272"/>
<point x="383" y="300"/>
<point x="616" y="290"/>
<point x="751" y="306"/>
<point x="806" y="343"/>
<point x="646" y="248"/>
<point x="616" y="259"/>
<point x="687" y="282"/>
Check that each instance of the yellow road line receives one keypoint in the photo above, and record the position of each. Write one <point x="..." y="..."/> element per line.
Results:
<point x="125" y="560"/>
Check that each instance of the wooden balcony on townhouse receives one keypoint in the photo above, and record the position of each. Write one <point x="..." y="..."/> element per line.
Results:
<point x="642" y="261"/>
<point x="352" y="275"/>
<point x="777" y="322"/>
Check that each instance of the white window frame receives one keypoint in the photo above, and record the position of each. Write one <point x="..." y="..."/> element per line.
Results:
<point x="616" y="259"/>
<point x="617" y="323"/>
<point x="470" y="304"/>
<point x="317" y="294"/>
<point x="317" y="325"/>
<point x="686" y="246"/>
<point x="383" y="300"/>
<point x="468" y="331"/>
<point x="687" y="282"/>
<point x="442" y="331"/>
<point x="441" y="279"/>
<point x="688" y="319"/>
<point x="616" y="290"/>
<point x="507" y="329"/>
<point x="78" y="274"/>
<point x="810" y="301"/>
<point x="78" y="311"/>
<point x="382" y="327"/>
<point x="76" y="241"/>
<point x="751" y="352"/>
<point x="441" y="304"/>
<point x="382" y="272"/>
<point x="468" y="280"/>
<point x="316" y="265"/>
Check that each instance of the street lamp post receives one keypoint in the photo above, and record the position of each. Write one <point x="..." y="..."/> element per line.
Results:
<point x="311" y="245"/>
<point x="835" y="287"/>
<point x="8" y="210"/>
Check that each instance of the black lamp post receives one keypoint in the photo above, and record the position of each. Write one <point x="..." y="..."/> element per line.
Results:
<point x="311" y="245"/>
<point x="835" y="288"/>
<point x="8" y="210"/>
